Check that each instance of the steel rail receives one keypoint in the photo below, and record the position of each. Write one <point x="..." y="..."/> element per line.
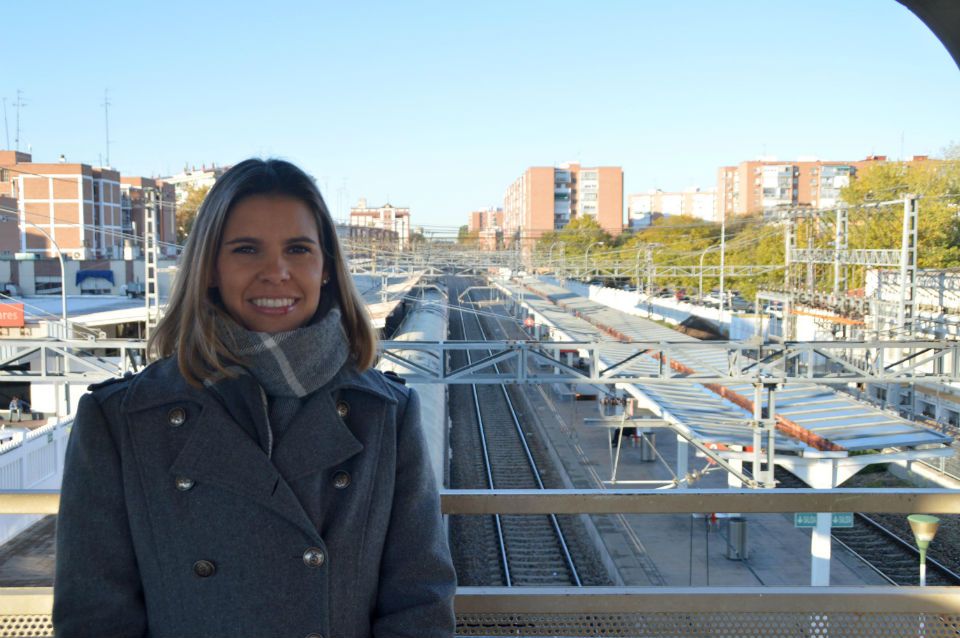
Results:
<point x="504" y="560"/>
<point x="536" y="471"/>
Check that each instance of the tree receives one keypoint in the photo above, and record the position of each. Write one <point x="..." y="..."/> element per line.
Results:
<point x="467" y="238"/>
<point x="187" y="211"/>
<point x="937" y="183"/>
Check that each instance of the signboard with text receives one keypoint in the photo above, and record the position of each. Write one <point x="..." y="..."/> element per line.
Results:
<point x="809" y="519"/>
<point x="11" y="315"/>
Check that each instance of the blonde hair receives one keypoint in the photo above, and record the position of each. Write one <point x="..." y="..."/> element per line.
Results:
<point x="188" y="327"/>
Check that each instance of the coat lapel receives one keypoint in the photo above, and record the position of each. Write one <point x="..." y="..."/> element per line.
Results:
<point x="318" y="438"/>
<point x="221" y="453"/>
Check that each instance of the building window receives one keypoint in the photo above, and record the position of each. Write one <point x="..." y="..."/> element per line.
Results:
<point x="881" y="394"/>
<point x="928" y="410"/>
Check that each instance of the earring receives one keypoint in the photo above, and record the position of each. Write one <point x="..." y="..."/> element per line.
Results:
<point x="326" y="280"/>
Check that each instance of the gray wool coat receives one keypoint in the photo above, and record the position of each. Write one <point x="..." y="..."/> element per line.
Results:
<point x="174" y="521"/>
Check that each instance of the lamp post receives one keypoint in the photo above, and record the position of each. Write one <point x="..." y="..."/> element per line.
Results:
<point x="63" y="306"/>
<point x="550" y="255"/>
<point x="723" y="251"/>
<point x="63" y="279"/>
<point x="700" y="286"/>
<point x="924" y="529"/>
<point x="586" y="255"/>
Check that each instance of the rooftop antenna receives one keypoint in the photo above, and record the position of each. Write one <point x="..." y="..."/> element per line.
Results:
<point x="106" y="120"/>
<point x="20" y="103"/>
<point x="5" y="128"/>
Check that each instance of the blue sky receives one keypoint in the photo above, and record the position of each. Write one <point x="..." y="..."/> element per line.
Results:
<point x="440" y="105"/>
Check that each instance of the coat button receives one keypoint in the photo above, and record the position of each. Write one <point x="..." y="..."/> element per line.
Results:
<point x="184" y="483"/>
<point x="343" y="409"/>
<point x="204" y="568"/>
<point x="176" y="417"/>
<point x="314" y="635"/>
<point x="341" y="479"/>
<point x="313" y="557"/>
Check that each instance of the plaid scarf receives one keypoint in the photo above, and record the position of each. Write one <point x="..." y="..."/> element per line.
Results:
<point x="288" y="365"/>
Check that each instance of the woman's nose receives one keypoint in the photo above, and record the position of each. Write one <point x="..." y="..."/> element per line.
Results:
<point x="275" y="270"/>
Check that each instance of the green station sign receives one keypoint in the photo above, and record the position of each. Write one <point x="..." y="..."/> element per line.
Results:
<point x="809" y="519"/>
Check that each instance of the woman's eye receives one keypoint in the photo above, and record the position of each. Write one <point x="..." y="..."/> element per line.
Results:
<point x="299" y="249"/>
<point x="244" y="250"/>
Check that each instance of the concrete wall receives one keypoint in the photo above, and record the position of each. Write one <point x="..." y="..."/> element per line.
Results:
<point x="668" y="309"/>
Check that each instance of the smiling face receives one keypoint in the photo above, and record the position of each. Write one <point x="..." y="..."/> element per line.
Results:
<point x="270" y="266"/>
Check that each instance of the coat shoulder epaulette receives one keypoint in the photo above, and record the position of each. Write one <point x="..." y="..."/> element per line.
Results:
<point x="393" y="376"/>
<point x="116" y="382"/>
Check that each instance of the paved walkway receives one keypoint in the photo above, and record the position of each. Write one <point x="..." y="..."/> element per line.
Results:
<point x="27" y="559"/>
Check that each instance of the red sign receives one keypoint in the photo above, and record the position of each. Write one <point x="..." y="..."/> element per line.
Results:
<point x="11" y="315"/>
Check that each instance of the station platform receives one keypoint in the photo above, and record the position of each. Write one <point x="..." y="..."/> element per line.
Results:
<point x="677" y="550"/>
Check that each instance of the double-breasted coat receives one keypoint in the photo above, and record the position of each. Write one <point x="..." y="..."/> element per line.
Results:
<point x="181" y="516"/>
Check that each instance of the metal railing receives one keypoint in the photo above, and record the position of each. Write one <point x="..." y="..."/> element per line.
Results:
<point x="642" y="611"/>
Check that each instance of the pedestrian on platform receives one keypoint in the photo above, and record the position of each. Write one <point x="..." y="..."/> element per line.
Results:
<point x="16" y="409"/>
<point x="259" y="479"/>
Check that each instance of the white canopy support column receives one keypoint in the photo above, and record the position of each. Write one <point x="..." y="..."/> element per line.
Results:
<point x="683" y="451"/>
<point x="822" y="476"/>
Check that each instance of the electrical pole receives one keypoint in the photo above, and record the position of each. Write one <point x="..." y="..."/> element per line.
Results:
<point x="19" y="104"/>
<point x="5" y="128"/>
<point x="151" y="287"/>
<point x="106" y="122"/>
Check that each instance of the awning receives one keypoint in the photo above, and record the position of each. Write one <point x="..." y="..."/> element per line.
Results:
<point x="83" y="275"/>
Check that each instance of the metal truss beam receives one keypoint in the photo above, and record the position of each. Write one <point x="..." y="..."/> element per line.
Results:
<point x="850" y="257"/>
<point x="541" y="361"/>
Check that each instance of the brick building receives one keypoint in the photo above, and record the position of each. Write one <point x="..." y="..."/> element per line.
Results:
<point x="544" y="199"/>
<point x="755" y="185"/>
<point x="76" y="204"/>
<point x="135" y="193"/>
<point x="487" y="225"/>
<point x="386" y="217"/>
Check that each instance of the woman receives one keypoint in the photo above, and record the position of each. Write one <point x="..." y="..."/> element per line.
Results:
<point x="259" y="480"/>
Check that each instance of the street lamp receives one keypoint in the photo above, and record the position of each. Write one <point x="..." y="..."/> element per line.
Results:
<point x="586" y="255"/>
<point x="63" y="276"/>
<point x="723" y="251"/>
<point x="550" y="255"/>
<point x="63" y="305"/>
<point x="700" y="286"/>
<point x="924" y="529"/>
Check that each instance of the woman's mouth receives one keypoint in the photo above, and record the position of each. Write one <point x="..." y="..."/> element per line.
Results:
<point x="274" y="305"/>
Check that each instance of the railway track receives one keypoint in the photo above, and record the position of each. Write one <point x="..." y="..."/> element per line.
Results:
<point x="531" y="550"/>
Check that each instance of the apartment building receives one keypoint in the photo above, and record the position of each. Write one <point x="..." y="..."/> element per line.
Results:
<point x="386" y="217"/>
<point x="9" y="227"/>
<point x="643" y="208"/>
<point x="77" y="205"/>
<point x="192" y="178"/>
<point x="487" y="225"/>
<point x="485" y="218"/>
<point x="135" y="194"/>
<point x="756" y="185"/>
<point x="545" y="198"/>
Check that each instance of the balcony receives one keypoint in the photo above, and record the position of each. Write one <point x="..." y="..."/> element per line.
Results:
<point x="642" y="611"/>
